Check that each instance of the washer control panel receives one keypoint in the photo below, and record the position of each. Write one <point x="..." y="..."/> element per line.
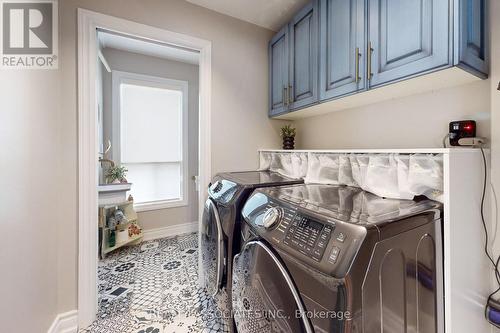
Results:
<point x="326" y="244"/>
<point x="308" y="236"/>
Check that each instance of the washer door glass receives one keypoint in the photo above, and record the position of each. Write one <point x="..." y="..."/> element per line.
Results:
<point x="212" y="248"/>
<point x="264" y="297"/>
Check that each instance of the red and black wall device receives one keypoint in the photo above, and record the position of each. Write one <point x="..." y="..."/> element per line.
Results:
<point x="461" y="129"/>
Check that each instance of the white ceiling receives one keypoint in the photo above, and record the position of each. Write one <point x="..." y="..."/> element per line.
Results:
<point x="270" y="14"/>
<point x="150" y="48"/>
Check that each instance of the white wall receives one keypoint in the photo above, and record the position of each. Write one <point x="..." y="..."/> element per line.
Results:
<point x="147" y="65"/>
<point x="30" y="193"/>
<point x="239" y="101"/>
<point x="410" y="122"/>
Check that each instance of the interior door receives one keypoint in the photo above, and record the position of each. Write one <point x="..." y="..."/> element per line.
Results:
<point x="342" y="47"/>
<point x="264" y="297"/>
<point x="303" y="87"/>
<point x="407" y="37"/>
<point x="213" y="254"/>
<point x="278" y="73"/>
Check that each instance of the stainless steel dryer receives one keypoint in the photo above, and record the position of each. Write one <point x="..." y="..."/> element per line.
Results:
<point x="320" y="258"/>
<point x="220" y="230"/>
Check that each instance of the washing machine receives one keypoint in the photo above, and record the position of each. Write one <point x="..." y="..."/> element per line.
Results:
<point x="220" y="228"/>
<point x="322" y="258"/>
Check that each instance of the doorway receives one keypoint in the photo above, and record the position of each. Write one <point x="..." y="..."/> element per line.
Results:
<point x="165" y="178"/>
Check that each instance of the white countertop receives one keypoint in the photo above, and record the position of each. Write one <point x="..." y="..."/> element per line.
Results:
<point x="377" y="151"/>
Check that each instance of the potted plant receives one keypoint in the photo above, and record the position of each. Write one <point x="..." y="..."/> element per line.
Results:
<point x="116" y="174"/>
<point x="288" y="135"/>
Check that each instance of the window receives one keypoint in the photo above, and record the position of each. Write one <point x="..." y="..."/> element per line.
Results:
<point x="151" y="127"/>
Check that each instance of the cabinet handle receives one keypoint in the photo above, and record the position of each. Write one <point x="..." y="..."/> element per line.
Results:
<point x="358" y="55"/>
<point x="284" y="96"/>
<point x="369" y="69"/>
<point x="290" y="92"/>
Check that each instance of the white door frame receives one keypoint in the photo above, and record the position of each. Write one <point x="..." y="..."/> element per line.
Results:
<point x="88" y="22"/>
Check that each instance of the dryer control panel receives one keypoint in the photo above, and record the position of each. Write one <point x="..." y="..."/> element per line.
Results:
<point x="222" y="190"/>
<point x="328" y="245"/>
<point x="308" y="236"/>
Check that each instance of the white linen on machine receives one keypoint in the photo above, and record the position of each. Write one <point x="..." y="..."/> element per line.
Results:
<point x="293" y="165"/>
<point x="397" y="176"/>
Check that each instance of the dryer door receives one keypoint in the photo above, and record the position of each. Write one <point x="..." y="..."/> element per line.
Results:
<point x="212" y="248"/>
<point x="264" y="297"/>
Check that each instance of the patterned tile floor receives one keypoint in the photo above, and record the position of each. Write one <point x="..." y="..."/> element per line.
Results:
<point x="153" y="288"/>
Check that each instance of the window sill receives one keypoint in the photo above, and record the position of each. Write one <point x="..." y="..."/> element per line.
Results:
<point x="157" y="205"/>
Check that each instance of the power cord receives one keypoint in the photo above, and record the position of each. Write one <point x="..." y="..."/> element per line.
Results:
<point x="450" y="136"/>
<point x="444" y="139"/>
<point x="496" y="262"/>
<point x="483" y="195"/>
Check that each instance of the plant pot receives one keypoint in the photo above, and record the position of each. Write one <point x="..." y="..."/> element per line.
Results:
<point x="288" y="142"/>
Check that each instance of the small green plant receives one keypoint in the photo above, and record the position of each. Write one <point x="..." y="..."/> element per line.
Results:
<point x="116" y="173"/>
<point x="288" y="131"/>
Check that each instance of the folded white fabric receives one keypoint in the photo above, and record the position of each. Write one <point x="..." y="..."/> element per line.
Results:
<point x="323" y="169"/>
<point x="293" y="165"/>
<point x="345" y="171"/>
<point x="382" y="177"/>
<point x="265" y="158"/>
<point x="359" y="166"/>
<point x="426" y="176"/>
<point x="300" y="164"/>
<point x="397" y="176"/>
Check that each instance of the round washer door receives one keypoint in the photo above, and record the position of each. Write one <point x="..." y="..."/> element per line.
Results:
<point x="212" y="248"/>
<point x="264" y="298"/>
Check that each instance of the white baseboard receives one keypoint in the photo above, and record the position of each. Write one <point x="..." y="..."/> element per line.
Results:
<point x="65" y="323"/>
<point x="170" y="231"/>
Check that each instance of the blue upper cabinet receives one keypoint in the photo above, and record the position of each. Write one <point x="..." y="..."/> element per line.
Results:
<point x="335" y="48"/>
<point x="342" y="47"/>
<point x="473" y="52"/>
<point x="406" y="38"/>
<point x="303" y="87"/>
<point x="278" y="73"/>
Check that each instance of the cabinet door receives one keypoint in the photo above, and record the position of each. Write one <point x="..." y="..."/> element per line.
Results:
<point x="278" y="72"/>
<point x="342" y="43"/>
<point x="303" y="85"/>
<point x="472" y="36"/>
<point x="408" y="37"/>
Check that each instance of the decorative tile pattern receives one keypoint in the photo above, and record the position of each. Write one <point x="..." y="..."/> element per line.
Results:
<point x="153" y="288"/>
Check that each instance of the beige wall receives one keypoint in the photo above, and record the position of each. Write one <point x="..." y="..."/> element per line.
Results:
<point x="239" y="121"/>
<point x="29" y="199"/>
<point x="419" y="121"/>
<point x="147" y="65"/>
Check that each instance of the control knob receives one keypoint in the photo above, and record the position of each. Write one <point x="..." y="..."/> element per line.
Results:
<point x="271" y="217"/>
<point x="216" y="187"/>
